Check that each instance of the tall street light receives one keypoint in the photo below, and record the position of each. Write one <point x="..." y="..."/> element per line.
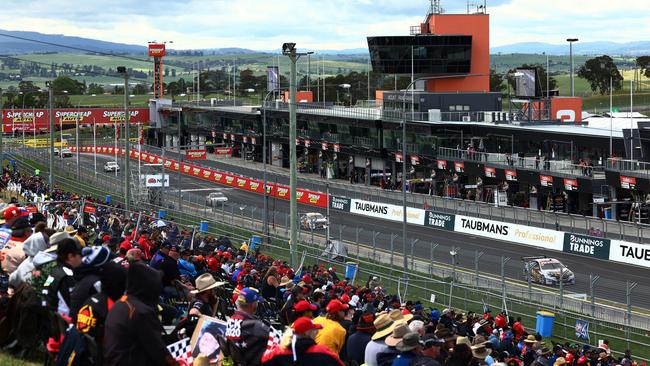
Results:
<point x="127" y="175"/>
<point x="571" y="40"/>
<point x="50" y="111"/>
<point x="289" y="49"/>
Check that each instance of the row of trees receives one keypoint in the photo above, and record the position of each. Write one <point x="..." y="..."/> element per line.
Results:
<point x="599" y="72"/>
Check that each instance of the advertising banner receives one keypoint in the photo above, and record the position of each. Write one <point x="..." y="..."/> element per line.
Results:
<point x="630" y="253"/>
<point x="223" y="151"/>
<point x="490" y="172"/>
<point x="440" y="220"/>
<point x="398" y="157"/>
<point x="415" y="160"/>
<point x="323" y="145"/>
<point x="311" y="198"/>
<point x="546" y="180"/>
<point x="340" y="203"/>
<point x="387" y="212"/>
<point x="155" y="180"/>
<point x="157" y="49"/>
<point x="196" y="154"/>
<point x="527" y="235"/>
<point x="570" y="184"/>
<point x="272" y="78"/>
<point x="459" y="167"/>
<point x="511" y="175"/>
<point x="587" y="246"/>
<point x="441" y="164"/>
<point x="628" y="182"/>
<point x="29" y="120"/>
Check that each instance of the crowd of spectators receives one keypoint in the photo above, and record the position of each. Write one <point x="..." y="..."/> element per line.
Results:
<point x="95" y="285"/>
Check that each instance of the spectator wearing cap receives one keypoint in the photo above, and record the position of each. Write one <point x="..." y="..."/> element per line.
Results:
<point x="558" y="352"/>
<point x="409" y="347"/>
<point x="173" y="287"/>
<point x="304" y="308"/>
<point x="9" y="215"/>
<point x="88" y="276"/>
<point x="145" y="244"/>
<point x="357" y="342"/>
<point x="160" y="255"/>
<point x="384" y="326"/>
<point x="333" y="334"/>
<point x="543" y="355"/>
<point x="133" y="333"/>
<point x="430" y="351"/>
<point x="245" y="331"/>
<point x="287" y="313"/>
<point x="518" y="329"/>
<point x="59" y="284"/>
<point x="301" y="349"/>
<point x="185" y="265"/>
<point x="205" y="300"/>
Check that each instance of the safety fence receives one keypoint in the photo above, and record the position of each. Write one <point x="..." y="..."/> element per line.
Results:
<point x="427" y="273"/>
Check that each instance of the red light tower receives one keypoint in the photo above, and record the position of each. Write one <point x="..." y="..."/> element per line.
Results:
<point x="157" y="51"/>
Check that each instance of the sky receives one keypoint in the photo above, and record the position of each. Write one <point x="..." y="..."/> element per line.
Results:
<point x="317" y="24"/>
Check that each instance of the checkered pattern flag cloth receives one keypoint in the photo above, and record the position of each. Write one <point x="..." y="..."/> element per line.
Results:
<point x="275" y="336"/>
<point x="181" y="352"/>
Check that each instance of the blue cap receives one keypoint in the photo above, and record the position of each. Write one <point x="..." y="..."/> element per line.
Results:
<point x="249" y="295"/>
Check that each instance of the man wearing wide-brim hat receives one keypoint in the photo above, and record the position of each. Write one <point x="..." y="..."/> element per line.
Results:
<point x="384" y="326"/>
<point x="543" y="355"/>
<point x="409" y="347"/>
<point x="206" y="300"/>
<point x="480" y="352"/>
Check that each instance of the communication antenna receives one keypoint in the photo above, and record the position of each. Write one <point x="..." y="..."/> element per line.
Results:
<point x="435" y="7"/>
<point x="480" y="8"/>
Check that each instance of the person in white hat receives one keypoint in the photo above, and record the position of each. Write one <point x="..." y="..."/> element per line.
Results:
<point x="206" y="299"/>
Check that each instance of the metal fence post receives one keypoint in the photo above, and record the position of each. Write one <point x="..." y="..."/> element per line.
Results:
<point x="413" y="242"/>
<point x="454" y="260"/>
<point x="357" y="240"/>
<point x="341" y="227"/>
<point x="628" y="300"/>
<point x="433" y="248"/>
<point x="392" y="251"/>
<point x="374" y="245"/>
<point x="504" y="260"/>
<point x="477" y="257"/>
<point x="253" y="217"/>
<point x="592" y="282"/>
<point x="561" y="307"/>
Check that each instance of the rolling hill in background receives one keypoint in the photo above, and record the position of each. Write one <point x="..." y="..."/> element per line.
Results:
<point x="581" y="48"/>
<point x="12" y="45"/>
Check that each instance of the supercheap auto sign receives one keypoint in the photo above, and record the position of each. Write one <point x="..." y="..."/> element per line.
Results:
<point x="28" y="120"/>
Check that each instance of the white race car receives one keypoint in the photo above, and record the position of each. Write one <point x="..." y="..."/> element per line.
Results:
<point x="547" y="271"/>
<point x="313" y="221"/>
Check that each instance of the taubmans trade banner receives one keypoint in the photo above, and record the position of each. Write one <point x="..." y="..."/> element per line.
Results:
<point x="28" y="119"/>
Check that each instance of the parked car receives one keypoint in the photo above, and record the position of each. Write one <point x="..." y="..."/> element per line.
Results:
<point x="547" y="271"/>
<point x="313" y="221"/>
<point x="215" y="198"/>
<point x="111" y="166"/>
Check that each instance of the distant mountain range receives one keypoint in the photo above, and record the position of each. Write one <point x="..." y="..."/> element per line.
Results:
<point x="581" y="48"/>
<point x="18" y="42"/>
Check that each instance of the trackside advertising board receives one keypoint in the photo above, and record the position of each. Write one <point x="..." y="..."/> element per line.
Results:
<point x="30" y="120"/>
<point x="547" y="239"/>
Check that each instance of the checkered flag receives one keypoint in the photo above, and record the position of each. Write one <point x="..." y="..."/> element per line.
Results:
<point x="181" y="352"/>
<point x="275" y="336"/>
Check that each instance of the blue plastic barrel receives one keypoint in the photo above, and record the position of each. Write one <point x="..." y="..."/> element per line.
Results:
<point x="107" y="199"/>
<point x="255" y="242"/>
<point x="608" y="213"/>
<point x="162" y="214"/>
<point x="351" y="269"/>
<point x="203" y="227"/>
<point x="544" y="324"/>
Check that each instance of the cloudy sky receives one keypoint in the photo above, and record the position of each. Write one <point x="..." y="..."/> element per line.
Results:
<point x="316" y="24"/>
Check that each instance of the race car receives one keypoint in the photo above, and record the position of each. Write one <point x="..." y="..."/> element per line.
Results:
<point x="313" y="221"/>
<point x="547" y="271"/>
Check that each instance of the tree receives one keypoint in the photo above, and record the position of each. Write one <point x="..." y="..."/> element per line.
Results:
<point x="643" y="62"/>
<point x="95" y="89"/>
<point x="496" y="82"/>
<point x="598" y="71"/>
<point x="139" y="89"/>
<point x="65" y="83"/>
<point x="541" y="77"/>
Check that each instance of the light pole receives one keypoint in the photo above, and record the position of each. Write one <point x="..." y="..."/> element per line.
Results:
<point x="264" y="152"/>
<point x="50" y="113"/>
<point x="571" y="40"/>
<point x="309" y="69"/>
<point x="127" y="174"/>
<point x="289" y="49"/>
<point x="24" y="94"/>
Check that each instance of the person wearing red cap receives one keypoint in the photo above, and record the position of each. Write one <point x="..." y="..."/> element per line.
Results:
<point x="302" y="349"/>
<point x="304" y="309"/>
<point x="333" y="334"/>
